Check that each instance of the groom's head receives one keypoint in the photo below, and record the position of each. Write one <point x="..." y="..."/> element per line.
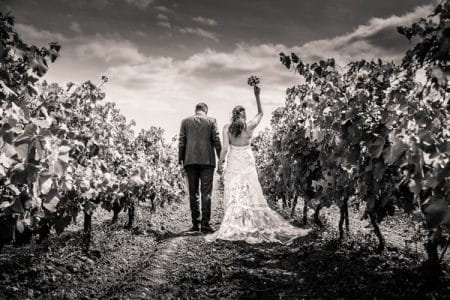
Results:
<point x="201" y="108"/>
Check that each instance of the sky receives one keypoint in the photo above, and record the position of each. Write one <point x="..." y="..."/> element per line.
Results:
<point x="164" y="56"/>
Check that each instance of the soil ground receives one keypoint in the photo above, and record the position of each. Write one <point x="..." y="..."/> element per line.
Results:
<point x="161" y="260"/>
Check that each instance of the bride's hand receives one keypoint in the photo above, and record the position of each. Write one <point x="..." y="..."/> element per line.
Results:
<point x="220" y="169"/>
<point x="257" y="90"/>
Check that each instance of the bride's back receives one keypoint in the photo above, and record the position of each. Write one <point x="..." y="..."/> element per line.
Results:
<point x="243" y="139"/>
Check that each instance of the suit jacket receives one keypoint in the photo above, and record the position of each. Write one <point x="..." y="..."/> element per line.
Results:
<point x="197" y="141"/>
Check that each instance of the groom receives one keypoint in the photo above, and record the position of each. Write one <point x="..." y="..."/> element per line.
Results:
<point x="197" y="141"/>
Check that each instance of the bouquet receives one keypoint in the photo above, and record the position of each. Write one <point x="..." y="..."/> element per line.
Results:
<point x="253" y="81"/>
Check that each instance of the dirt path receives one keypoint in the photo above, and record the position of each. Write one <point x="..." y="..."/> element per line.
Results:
<point x="151" y="279"/>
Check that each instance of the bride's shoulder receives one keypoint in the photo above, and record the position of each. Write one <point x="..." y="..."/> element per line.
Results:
<point x="226" y="126"/>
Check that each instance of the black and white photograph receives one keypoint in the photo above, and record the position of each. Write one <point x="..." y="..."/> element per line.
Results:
<point x="224" y="149"/>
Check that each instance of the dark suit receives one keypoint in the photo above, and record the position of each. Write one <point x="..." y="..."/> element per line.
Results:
<point x="197" y="141"/>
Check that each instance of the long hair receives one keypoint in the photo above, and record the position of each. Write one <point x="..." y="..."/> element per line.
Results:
<point x="238" y="119"/>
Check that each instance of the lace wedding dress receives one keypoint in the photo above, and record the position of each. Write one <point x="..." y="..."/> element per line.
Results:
<point x="247" y="216"/>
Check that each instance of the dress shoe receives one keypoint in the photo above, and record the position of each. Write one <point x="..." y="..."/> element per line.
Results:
<point x="195" y="228"/>
<point x="207" y="229"/>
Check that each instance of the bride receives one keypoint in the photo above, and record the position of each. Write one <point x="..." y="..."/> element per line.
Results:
<point x="247" y="216"/>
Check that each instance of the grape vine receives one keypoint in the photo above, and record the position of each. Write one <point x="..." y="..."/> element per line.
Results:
<point x="373" y="132"/>
<point x="63" y="152"/>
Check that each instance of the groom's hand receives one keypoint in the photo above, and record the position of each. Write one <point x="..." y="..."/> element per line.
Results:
<point x="220" y="170"/>
<point x="182" y="169"/>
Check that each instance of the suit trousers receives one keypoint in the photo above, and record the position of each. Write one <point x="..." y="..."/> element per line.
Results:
<point x="200" y="176"/>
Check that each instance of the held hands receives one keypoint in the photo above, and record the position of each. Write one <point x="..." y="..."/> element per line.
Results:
<point x="220" y="168"/>
<point x="182" y="170"/>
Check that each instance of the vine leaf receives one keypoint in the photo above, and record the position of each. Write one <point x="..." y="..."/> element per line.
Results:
<point x="393" y="152"/>
<point x="376" y="148"/>
<point x="51" y="201"/>
<point x="437" y="212"/>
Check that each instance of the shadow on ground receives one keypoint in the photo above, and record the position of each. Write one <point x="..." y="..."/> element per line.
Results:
<point x="165" y="235"/>
<point x="311" y="268"/>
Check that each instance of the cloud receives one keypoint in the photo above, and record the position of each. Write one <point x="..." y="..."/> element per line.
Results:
<point x="205" y="21"/>
<point x="41" y="37"/>
<point x="172" y="87"/>
<point x="169" y="87"/>
<point x="97" y="3"/>
<point x="200" y="32"/>
<point x="164" y="24"/>
<point x="163" y="90"/>
<point x="162" y="17"/>
<point x="162" y="8"/>
<point x="140" y="3"/>
<point x="141" y="34"/>
<point x="75" y="27"/>
<point x="377" y="38"/>
<point x="110" y="50"/>
<point x="163" y="21"/>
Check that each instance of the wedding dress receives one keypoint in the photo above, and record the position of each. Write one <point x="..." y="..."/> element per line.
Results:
<point x="247" y="216"/>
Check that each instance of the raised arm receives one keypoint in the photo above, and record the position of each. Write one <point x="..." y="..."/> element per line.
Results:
<point x="226" y="145"/>
<point x="257" y="119"/>
<point x="182" y="143"/>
